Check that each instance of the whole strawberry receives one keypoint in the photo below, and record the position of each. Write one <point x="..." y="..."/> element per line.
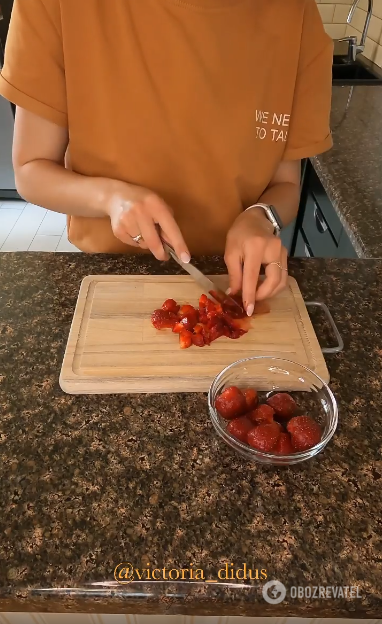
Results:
<point x="284" y="445"/>
<point x="305" y="432"/>
<point x="239" y="428"/>
<point x="283" y="404"/>
<point x="262" y="414"/>
<point x="231" y="403"/>
<point x="264" y="437"/>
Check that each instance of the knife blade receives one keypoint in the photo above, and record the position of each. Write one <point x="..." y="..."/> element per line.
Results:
<point x="205" y="282"/>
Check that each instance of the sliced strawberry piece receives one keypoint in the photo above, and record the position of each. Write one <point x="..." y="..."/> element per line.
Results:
<point x="197" y="340"/>
<point x="305" y="432"/>
<point x="198" y="329"/>
<point x="171" y="306"/>
<point x="226" y="331"/>
<point x="187" y="309"/>
<point x="251" y="398"/>
<point x="210" y="305"/>
<point x="163" y="319"/>
<point x="203" y="301"/>
<point x="189" y="321"/>
<point x="178" y="327"/>
<point x="264" y="437"/>
<point x="284" y="445"/>
<point x="206" y="335"/>
<point x="262" y="414"/>
<point x="203" y="318"/>
<point x="231" y="403"/>
<point x="239" y="428"/>
<point x="236" y="333"/>
<point x="185" y="339"/>
<point x="283" y="404"/>
<point x="213" y="319"/>
<point x="217" y="331"/>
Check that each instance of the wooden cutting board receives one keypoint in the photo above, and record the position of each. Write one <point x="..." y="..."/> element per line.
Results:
<point x="113" y="348"/>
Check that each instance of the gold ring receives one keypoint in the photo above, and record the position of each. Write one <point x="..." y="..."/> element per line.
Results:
<point x="137" y="239"/>
<point x="277" y="264"/>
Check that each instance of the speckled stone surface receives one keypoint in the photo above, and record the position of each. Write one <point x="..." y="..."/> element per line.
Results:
<point x="351" y="172"/>
<point x="90" y="481"/>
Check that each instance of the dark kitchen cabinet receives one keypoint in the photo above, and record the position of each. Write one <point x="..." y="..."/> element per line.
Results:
<point x="319" y="232"/>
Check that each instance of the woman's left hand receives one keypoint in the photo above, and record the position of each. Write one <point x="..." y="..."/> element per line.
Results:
<point x="250" y="244"/>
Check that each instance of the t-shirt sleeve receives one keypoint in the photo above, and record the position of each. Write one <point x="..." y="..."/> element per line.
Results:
<point x="309" y="131"/>
<point x="33" y="75"/>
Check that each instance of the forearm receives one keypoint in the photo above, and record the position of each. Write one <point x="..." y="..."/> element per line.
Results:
<point x="50" y="185"/>
<point x="285" y="197"/>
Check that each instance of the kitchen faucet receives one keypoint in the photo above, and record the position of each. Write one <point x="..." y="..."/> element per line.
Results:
<point x="356" y="48"/>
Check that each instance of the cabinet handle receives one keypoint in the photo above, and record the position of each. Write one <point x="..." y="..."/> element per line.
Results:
<point x="320" y="221"/>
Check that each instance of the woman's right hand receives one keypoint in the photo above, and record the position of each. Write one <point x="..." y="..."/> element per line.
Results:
<point x="134" y="210"/>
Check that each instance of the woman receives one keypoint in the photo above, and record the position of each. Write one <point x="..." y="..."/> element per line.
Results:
<point x="133" y="114"/>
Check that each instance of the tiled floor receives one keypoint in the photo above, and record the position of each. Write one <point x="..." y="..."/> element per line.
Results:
<point x="25" y="227"/>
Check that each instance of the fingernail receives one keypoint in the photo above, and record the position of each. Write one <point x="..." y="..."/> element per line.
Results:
<point x="185" y="257"/>
<point x="228" y="291"/>
<point x="250" y="309"/>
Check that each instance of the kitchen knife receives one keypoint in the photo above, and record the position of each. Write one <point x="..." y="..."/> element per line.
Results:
<point x="206" y="284"/>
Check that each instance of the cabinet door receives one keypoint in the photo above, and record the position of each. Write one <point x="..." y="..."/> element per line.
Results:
<point x="302" y="249"/>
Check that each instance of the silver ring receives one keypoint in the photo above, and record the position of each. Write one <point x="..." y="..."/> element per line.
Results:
<point x="277" y="264"/>
<point x="137" y="239"/>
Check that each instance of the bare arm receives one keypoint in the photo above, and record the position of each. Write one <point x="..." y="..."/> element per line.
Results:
<point x="251" y="242"/>
<point x="39" y="149"/>
<point x="284" y="190"/>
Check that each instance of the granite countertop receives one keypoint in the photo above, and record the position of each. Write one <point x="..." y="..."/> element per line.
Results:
<point x="351" y="172"/>
<point x="88" y="482"/>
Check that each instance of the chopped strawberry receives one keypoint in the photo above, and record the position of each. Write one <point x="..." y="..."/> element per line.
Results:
<point x="213" y="318"/>
<point x="262" y="414"/>
<point x="206" y="335"/>
<point x="217" y="331"/>
<point x="236" y="333"/>
<point x="283" y="404"/>
<point x="198" y="329"/>
<point x="284" y="445"/>
<point x="251" y="398"/>
<point x="163" y="319"/>
<point x="239" y="428"/>
<point x="203" y="301"/>
<point x="210" y="305"/>
<point x="171" y="306"/>
<point x="226" y="331"/>
<point x="189" y="321"/>
<point x="210" y="320"/>
<point x="178" y="327"/>
<point x="264" y="437"/>
<point x="186" y="309"/>
<point x="197" y="340"/>
<point x="185" y="339"/>
<point x="231" y="403"/>
<point x="305" y="432"/>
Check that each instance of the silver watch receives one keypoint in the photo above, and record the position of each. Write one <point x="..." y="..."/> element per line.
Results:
<point x="272" y="216"/>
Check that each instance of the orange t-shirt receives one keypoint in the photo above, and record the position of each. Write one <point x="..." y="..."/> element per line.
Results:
<point x="197" y="100"/>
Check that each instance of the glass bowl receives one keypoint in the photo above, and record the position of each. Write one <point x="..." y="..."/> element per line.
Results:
<point x="268" y="375"/>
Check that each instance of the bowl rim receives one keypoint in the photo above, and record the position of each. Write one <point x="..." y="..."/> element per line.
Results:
<point x="299" y="455"/>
